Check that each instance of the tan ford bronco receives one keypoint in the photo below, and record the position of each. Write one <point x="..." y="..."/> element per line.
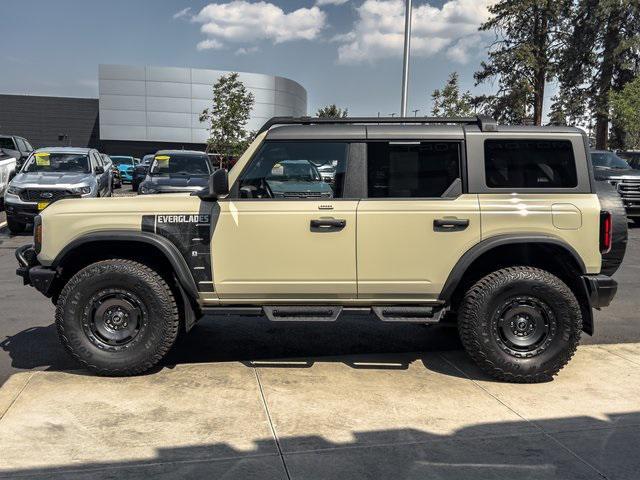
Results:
<point x="498" y="230"/>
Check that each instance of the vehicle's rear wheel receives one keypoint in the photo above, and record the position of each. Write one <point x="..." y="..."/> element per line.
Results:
<point x="520" y="324"/>
<point x="15" y="227"/>
<point x="117" y="317"/>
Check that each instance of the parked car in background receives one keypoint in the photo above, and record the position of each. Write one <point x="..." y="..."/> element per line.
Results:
<point x="291" y="179"/>
<point x="632" y="157"/>
<point x="174" y="171"/>
<point x="17" y="147"/>
<point x="116" y="179"/>
<point x="610" y="167"/>
<point x="51" y="174"/>
<point x="7" y="172"/>
<point x="140" y="171"/>
<point x="126" y="165"/>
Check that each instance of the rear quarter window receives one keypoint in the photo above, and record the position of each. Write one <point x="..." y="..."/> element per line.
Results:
<point x="537" y="164"/>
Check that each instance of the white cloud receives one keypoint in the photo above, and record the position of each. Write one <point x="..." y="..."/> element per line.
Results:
<point x="247" y="51"/>
<point x="182" y="13"/>
<point x="244" y="22"/>
<point x="330" y="2"/>
<point x="209" y="44"/>
<point x="379" y="30"/>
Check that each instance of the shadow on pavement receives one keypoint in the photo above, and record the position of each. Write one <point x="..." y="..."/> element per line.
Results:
<point x="250" y="339"/>
<point x="569" y="448"/>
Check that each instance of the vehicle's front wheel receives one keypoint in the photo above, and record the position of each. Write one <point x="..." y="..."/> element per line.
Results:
<point x="117" y="317"/>
<point x="15" y="227"/>
<point x="520" y="324"/>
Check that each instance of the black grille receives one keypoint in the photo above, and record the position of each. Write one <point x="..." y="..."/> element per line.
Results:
<point x="36" y="195"/>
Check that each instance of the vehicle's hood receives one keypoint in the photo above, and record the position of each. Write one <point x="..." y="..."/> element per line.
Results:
<point x="54" y="179"/>
<point x="177" y="182"/>
<point x="125" y="167"/>
<point x="312" y="187"/>
<point x="604" y="173"/>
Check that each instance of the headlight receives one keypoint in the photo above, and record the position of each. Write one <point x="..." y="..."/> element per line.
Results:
<point x="14" y="190"/>
<point x="81" y="190"/>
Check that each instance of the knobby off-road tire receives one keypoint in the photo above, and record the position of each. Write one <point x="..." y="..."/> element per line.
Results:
<point x="117" y="317"/>
<point x="502" y="316"/>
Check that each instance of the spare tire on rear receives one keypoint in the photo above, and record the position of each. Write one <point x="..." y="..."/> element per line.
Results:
<point x="610" y="201"/>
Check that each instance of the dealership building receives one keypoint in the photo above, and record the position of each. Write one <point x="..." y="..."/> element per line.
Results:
<point x="142" y="109"/>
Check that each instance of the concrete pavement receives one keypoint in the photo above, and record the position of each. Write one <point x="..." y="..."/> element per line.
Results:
<point x="427" y="416"/>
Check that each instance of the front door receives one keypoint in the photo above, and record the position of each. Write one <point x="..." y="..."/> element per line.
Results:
<point x="415" y="223"/>
<point x="286" y="232"/>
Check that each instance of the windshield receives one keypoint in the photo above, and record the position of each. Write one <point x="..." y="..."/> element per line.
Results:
<point x="122" y="160"/>
<point x="180" y="164"/>
<point x="297" y="170"/>
<point x="610" y="160"/>
<point x="57" y="162"/>
<point x="6" y="142"/>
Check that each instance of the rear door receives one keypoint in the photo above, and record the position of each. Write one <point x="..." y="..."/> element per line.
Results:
<point x="416" y="221"/>
<point x="285" y="233"/>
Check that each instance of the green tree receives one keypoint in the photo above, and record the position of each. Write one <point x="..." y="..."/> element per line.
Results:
<point x="625" y="108"/>
<point x="227" y="118"/>
<point x="601" y="55"/>
<point x="450" y="102"/>
<point x="522" y="57"/>
<point x="332" y="111"/>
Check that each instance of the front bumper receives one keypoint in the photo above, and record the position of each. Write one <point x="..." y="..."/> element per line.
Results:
<point x="21" y="212"/>
<point x="600" y="289"/>
<point x="31" y="272"/>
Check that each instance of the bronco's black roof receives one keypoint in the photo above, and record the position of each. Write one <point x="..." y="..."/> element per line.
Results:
<point x="486" y="124"/>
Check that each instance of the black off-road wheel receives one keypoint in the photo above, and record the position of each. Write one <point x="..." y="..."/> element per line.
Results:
<point x="117" y="317"/>
<point x="520" y="324"/>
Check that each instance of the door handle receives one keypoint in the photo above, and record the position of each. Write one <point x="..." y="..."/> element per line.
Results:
<point x="450" y="224"/>
<point x="327" y="225"/>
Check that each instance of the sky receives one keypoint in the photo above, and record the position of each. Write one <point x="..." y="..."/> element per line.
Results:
<point x="347" y="52"/>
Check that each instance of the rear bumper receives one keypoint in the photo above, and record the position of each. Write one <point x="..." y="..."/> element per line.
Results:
<point x="601" y="289"/>
<point x="32" y="273"/>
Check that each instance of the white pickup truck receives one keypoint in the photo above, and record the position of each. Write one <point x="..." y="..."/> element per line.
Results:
<point x="7" y="172"/>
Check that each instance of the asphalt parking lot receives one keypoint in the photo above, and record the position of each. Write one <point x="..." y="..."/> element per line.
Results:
<point x="240" y="397"/>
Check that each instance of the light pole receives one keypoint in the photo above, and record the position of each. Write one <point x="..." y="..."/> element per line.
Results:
<point x="407" y="54"/>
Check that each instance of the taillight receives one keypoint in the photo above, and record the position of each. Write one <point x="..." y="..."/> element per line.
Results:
<point x="606" y="232"/>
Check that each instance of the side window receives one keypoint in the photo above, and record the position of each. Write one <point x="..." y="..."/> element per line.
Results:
<point x="296" y="169"/>
<point x="529" y="164"/>
<point x="21" y="145"/>
<point x="411" y="170"/>
<point x="28" y="145"/>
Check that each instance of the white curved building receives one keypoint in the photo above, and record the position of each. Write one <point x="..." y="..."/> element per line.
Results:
<point x="163" y="104"/>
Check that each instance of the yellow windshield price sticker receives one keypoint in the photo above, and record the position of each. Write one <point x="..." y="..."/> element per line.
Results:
<point x="163" y="161"/>
<point x="42" y="159"/>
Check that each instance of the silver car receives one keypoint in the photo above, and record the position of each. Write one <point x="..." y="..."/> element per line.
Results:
<point x="50" y="174"/>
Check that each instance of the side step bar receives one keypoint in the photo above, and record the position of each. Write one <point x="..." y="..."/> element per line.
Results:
<point x="330" y="313"/>
<point x="319" y="313"/>
<point x="409" y="314"/>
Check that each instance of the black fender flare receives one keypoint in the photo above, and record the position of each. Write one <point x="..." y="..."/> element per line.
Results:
<point x="490" y="243"/>
<point x="170" y="251"/>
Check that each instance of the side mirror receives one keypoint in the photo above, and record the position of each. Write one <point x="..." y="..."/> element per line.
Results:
<point x="218" y="185"/>
<point x="99" y="170"/>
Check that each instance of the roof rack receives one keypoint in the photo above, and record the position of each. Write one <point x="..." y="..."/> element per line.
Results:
<point x="486" y="124"/>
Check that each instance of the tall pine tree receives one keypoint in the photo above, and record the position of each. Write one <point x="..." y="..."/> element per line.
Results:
<point x="522" y="58"/>
<point x="602" y="55"/>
